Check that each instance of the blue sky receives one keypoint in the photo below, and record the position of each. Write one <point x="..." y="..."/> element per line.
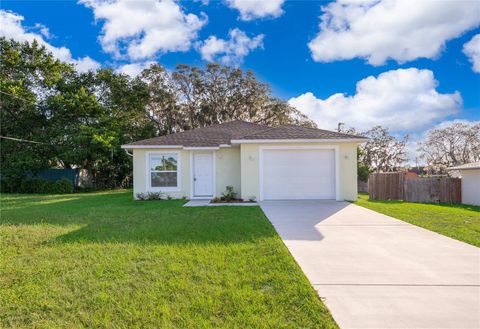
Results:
<point x="416" y="72"/>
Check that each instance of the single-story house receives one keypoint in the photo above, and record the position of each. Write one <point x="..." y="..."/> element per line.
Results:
<point x="260" y="162"/>
<point x="470" y="175"/>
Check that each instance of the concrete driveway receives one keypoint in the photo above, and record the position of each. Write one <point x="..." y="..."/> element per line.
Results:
<point x="374" y="271"/>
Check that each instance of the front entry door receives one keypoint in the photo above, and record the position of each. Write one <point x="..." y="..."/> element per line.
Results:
<point x="203" y="174"/>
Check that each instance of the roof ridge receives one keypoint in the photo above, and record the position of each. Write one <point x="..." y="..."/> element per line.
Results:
<point x="267" y="128"/>
<point x="209" y="127"/>
<point x="326" y="130"/>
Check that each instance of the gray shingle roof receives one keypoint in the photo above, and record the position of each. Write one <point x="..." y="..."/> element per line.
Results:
<point x="298" y="132"/>
<point x="208" y="136"/>
<point x="224" y="133"/>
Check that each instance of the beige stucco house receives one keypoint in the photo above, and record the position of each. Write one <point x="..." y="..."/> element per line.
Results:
<point x="470" y="175"/>
<point x="260" y="162"/>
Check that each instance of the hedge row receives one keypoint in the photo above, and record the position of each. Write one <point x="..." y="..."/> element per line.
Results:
<point x="37" y="185"/>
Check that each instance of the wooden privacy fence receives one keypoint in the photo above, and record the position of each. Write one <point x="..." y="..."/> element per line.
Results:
<point x="398" y="186"/>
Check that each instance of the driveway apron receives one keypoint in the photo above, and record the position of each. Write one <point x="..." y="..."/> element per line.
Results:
<point x="374" y="271"/>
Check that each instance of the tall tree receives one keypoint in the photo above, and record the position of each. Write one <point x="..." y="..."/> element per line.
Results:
<point x="383" y="152"/>
<point x="28" y="76"/>
<point x="456" y="144"/>
<point x="92" y="116"/>
<point x="216" y="94"/>
<point x="162" y="108"/>
<point x="79" y="120"/>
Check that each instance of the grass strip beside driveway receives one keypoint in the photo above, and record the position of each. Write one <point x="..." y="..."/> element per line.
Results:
<point x="460" y="222"/>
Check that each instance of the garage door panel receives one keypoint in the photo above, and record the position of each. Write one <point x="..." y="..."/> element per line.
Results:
<point x="298" y="174"/>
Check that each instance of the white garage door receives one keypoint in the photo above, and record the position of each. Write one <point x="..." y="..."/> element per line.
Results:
<point x="298" y="174"/>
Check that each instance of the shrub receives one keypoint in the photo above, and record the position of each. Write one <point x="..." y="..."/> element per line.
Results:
<point x="9" y="185"/>
<point x="363" y="172"/>
<point x="141" y="196"/>
<point x="155" y="195"/>
<point x="229" y="194"/>
<point x="34" y="185"/>
<point x="38" y="186"/>
<point x="150" y="196"/>
<point x="63" y="185"/>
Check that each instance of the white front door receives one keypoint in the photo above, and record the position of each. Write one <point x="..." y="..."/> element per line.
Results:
<point x="203" y="174"/>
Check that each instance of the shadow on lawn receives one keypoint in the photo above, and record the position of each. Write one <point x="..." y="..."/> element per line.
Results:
<point x="115" y="217"/>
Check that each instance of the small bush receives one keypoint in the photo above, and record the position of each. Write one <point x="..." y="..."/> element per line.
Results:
<point x="150" y="196"/>
<point x="34" y="185"/>
<point x="229" y="194"/>
<point x="363" y="172"/>
<point x="155" y="195"/>
<point x="9" y="185"/>
<point x="141" y="196"/>
<point x="38" y="185"/>
<point x="63" y="186"/>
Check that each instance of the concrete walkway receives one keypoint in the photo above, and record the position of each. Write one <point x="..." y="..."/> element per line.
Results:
<point x="374" y="271"/>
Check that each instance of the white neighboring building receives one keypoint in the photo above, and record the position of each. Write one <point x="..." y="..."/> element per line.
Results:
<point x="470" y="174"/>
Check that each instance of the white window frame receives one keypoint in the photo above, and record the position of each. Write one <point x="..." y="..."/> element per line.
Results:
<point x="335" y="148"/>
<point x="148" y="156"/>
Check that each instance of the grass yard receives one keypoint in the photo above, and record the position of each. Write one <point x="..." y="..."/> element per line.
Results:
<point x="460" y="222"/>
<point x="102" y="260"/>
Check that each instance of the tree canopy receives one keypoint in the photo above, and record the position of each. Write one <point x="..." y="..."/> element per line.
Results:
<point x="452" y="145"/>
<point x="80" y="120"/>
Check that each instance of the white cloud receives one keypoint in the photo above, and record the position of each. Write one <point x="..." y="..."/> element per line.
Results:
<point x="402" y="100"/>
<point x="134" y="69"/>
<point x="472" y="50"/>
<point x="144" y="28"/>
<point x="378" y="30"/>
<point x="43" y="30"/>
<point x="231" y="51"/>
<point x="12" y="28"/>
<point x="251" y="9"/>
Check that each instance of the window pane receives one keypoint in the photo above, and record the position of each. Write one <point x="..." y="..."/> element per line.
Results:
<point x="164" y="179"/>
<point x="170" y="162"/>
<point x="163" y="162"/>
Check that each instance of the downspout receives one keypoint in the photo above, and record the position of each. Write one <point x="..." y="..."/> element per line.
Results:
<point x="130" y="154"/>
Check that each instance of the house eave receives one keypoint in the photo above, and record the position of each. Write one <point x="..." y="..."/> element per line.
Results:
<point x="188" y="148"/>
<point x="462" y="169"/>
<point x="322" y="140"/>
<point x="131" y="147"/>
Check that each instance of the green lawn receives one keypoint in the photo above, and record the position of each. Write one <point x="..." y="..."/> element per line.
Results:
<point x="460" y="222"/>
<point x="102" y="260"/>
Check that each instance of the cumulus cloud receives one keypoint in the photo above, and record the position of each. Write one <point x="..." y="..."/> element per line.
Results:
<point x="231" y="51"/>
<point x="402" y="100"/>
<point x="12" y="28"/>
<point x="134" y="69"/>
<point x="472" y="50"/>
<point x="142" y="29"/>
<point x="402" y="30"/>
<point x="252" y="9"/>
